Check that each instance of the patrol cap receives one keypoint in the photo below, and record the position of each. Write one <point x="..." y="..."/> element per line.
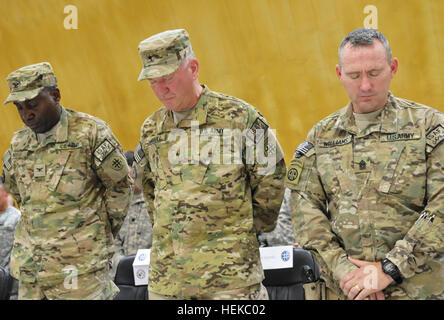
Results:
<point x="27" y="82"/>
<point x="163" y="53"/>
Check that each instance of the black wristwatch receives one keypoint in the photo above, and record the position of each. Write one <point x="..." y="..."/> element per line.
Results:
<point x="392" y="270"/>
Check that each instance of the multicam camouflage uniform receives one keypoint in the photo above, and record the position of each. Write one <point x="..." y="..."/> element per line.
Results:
<point x="73" y="190"/>
<point x="374" y="194"/>
<point x="206" y="211"/>
<point x="206" y="216"/>
<point x="136" y="232"/>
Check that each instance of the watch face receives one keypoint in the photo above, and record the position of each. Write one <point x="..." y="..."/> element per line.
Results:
<point x="390" y="267"/>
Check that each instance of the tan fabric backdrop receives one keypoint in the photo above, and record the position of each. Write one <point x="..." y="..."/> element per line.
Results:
<point x="278" y="55"/>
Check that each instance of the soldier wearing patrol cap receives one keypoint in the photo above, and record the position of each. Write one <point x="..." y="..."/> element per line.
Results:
<point x="367" y="193"/>
<point x="69" y="176"/>
<point x="206" y="214"/>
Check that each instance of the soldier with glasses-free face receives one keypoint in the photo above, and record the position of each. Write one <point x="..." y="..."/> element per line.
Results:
<point x="367" y="194"/>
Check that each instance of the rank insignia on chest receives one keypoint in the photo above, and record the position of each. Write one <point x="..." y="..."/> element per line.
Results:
<point x="39" y="170"/>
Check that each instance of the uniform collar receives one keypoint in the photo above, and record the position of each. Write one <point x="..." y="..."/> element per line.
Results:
<point x="60" y="133"/>
<point x="199" y="114"/>
<point x="60" y="130"/>
<point x="388" y="118"/>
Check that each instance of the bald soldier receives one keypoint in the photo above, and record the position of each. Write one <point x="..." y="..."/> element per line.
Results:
<point x="69" y="176"/>
<point x="208" y="196"/>
<point x="367" y="193"/>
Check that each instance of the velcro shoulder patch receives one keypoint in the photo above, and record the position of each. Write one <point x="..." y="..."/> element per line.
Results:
<point x="7" y="161"/>
<point x="138" y="153"/>
<point x="306" y="148"/>
<point x="257" y="130"/>
<point x="117" y="163"/>
<point x="104" y="150"/>
<point x="294" y="171"/>
<point x="436" y="136"/>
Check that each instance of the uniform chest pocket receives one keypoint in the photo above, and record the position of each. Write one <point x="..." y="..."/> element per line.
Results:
<point x="405" y="172"/>
<point x="68" y="173"/>
<point x="333" y="165"/>
<point x="225" y="173"/>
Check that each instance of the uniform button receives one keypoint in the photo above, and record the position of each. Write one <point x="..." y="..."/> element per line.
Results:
<point x="362" y="165"/>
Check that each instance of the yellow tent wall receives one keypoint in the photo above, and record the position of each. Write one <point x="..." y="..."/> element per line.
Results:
<point x="278" y="55"/>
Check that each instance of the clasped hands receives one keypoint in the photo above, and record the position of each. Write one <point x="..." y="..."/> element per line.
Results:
<point x="367" y="281"/>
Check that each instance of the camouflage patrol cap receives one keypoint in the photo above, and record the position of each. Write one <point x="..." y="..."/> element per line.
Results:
<point x="27" y="82"/>
<point x="163" y="53"/>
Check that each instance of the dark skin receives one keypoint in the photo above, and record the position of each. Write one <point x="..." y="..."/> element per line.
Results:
<point x="41" y="113"/>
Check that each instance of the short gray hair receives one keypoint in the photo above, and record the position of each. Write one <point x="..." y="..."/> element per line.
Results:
<point x="365" y="37"/>
<point x="190" y="56"/>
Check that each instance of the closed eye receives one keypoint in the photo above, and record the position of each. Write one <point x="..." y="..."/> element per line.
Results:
<point x="374" y="73"/>
<point x="354" y="75"/>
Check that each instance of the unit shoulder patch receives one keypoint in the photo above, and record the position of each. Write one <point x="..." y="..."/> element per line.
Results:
<point x="104" y="150"/>
<point x="294" y="171"/>
<point x="436" y="136"/>
<point x="117" y="163"/>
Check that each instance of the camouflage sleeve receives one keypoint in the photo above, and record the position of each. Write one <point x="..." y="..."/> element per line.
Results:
<point x="120" y="239"/>
<point x="266" y="169"/>
<point x="112" y="169"/>
<point x="119" y="243"/>
<point x="283" y="233"/>
<point x="425" y="239"/>
<point x="310" y="218"/>
<point x="8" y="177"/>
<point x="143" y="178"/>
